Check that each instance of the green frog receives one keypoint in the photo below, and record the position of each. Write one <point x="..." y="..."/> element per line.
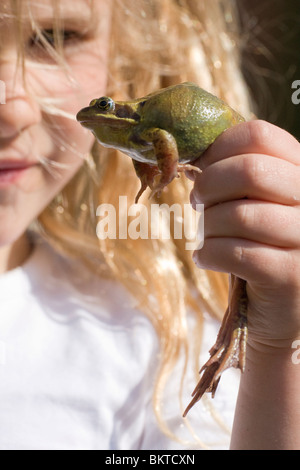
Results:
<point x="163" y="133"/>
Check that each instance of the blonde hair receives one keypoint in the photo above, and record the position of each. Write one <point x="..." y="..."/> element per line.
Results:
<point x="154" y="43"/>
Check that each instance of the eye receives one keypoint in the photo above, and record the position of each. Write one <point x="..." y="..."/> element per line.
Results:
<point x="49" y="37"/>
<point x="105" y="103"/>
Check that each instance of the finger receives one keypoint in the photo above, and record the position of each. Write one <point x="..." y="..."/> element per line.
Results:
<point x="246" y="259"/>
<point x="252" y="137"/>
<point x="252" y="176"/>
<point x="263" y="222"/>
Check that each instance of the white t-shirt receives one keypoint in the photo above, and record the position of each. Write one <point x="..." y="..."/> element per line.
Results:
<point x="75" y="374"/>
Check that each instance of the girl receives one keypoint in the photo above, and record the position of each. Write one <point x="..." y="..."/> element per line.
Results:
<point x="95" y="335"/>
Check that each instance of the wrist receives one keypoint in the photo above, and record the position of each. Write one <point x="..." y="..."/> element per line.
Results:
<point x="272" y="374"/>
<point x="283" y="351"/>
<point x="268" y="407"/>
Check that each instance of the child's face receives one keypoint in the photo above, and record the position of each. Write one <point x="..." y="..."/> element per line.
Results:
<point x="32" y="134"/>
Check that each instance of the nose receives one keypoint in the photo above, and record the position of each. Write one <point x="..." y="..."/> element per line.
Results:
<point x="20" y="110"/>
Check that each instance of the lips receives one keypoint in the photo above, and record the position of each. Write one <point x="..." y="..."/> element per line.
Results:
<point x="11" y="170"/>
<point x="14" y="164"/>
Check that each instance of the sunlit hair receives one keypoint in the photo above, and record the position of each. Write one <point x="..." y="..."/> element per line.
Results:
<point x="154" y="43"/>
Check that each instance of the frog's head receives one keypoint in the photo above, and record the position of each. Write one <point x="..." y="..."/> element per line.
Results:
<point x="110" y="121"/>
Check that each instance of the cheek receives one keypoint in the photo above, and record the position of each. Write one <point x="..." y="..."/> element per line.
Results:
<point x="70" y="90"/>
<point x="69" y="96"/>
<point x="90" y="76"/>
<point x="72" y="143"/>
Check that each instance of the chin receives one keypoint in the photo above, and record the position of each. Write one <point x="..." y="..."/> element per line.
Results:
<point x="11" y="230"/>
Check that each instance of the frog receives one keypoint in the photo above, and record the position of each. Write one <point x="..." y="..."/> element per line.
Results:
<point x="164" y="133"/>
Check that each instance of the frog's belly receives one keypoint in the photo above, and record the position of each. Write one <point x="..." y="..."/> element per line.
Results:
<point x="148" y="156"/>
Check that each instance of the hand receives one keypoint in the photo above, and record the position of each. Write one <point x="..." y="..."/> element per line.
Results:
<point x="250" y="186"/>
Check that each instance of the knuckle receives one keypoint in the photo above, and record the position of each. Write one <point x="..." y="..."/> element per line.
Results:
<point x="244" y="214"/>
<point x="239" y="254"/>
<point x="249" y="256"/>
<point x="253" y="170"/>
<point x="260" y="133"/>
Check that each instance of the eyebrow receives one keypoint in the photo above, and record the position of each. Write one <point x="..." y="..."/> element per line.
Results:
<point x="80" y="23"/>
<point x="81" y="17"/>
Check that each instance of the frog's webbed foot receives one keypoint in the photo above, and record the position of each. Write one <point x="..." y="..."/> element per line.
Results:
<point x="160" y="185"/>
<point x="230" y="347"/>
<point x="146" y="174"/>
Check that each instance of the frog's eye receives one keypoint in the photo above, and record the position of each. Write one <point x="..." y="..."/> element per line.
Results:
<point x="105" y="104"/>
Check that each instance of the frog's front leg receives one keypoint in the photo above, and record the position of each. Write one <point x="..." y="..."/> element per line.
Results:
<point x="166" y="153"/>
<point x="167" y="157"/>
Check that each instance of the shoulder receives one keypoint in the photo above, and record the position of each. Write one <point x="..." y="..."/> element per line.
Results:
<point x="68" y="288"/>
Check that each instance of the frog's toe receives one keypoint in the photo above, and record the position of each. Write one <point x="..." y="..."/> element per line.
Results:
<point x="146" y="173"/>
<point x="143" y="188"/>
<point x="188" y="167"/>
<point x="164" y="180"/>
<point x="156" y="192"/>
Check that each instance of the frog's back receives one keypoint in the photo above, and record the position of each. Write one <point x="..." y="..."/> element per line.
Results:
<point x="192" y="115"/>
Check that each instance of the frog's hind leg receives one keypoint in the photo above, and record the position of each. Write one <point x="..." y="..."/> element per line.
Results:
<point x="146" y="173"/>
<point x="230" y="347"/>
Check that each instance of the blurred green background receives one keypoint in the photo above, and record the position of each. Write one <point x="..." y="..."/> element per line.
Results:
<point x="271" y="58"/>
